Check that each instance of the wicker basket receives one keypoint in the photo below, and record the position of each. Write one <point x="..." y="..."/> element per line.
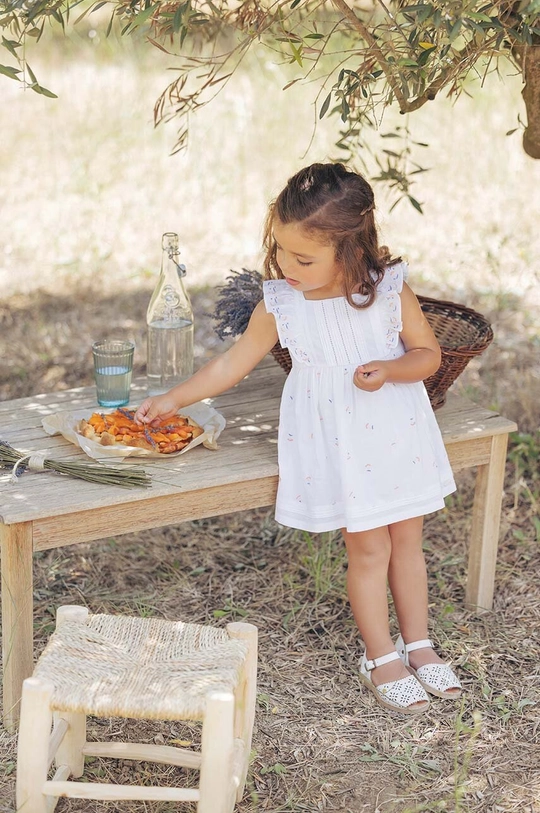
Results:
<point x="461" y="332"/>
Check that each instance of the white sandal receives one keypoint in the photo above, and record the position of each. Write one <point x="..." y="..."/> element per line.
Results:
<point x="436" y="678"/>
<point x="398" y="695"/>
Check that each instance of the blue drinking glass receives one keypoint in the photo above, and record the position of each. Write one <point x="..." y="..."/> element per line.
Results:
<point x="113" y="366"/>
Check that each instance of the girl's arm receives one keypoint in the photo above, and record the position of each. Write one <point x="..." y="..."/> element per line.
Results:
<point x="220" y="374"/>
<point x="421" y="359"/>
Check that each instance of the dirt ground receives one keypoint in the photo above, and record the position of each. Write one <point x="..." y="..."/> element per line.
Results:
<point x="321" y="743"/>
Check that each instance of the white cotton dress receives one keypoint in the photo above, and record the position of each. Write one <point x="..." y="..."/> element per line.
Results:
<point x="349" y="458"/>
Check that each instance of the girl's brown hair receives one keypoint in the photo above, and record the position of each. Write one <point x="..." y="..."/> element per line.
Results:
<point x="336" y="206"/>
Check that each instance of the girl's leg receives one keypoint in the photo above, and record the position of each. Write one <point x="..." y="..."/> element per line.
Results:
<point x="368" y="554"/>
<point x="408" y="582"/>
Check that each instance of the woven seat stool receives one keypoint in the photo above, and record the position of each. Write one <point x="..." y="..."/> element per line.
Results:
<point x="145" y="668"/>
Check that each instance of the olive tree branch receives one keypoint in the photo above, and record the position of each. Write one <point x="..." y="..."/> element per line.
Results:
<point x="469" y="52"/>
<point x="368" y="37"/>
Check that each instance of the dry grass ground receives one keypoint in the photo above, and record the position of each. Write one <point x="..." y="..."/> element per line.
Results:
<point x="96" y="189"/>
<point x="321" y="743"/>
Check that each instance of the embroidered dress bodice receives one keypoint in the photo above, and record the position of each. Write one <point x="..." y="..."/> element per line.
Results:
<point x="330" y="332"/>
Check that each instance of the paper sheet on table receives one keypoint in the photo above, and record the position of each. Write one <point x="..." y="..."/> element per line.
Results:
<point x="65" y="423"/>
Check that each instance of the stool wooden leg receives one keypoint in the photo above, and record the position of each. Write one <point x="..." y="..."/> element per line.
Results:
<point x="33" y="746"/>
<point x="485" y="527"/>
<point x="216" y="781"/>
<point x="71" y="612"/>
<point x="70" y="750"/>
<point x="245" y="695"/>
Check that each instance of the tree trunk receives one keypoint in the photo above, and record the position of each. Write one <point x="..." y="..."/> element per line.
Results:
<point x="528" y="57"/>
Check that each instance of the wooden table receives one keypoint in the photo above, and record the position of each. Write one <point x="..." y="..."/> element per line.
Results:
<point x="45" y="510"/>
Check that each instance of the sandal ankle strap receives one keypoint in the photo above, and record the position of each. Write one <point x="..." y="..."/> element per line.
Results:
<point x="418" y="645"/>
<point x="375" y="662"/>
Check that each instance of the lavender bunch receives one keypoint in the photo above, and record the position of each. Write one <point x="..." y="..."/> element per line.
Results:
<point x="236" y="301"/>
<point x="91" y="472"/>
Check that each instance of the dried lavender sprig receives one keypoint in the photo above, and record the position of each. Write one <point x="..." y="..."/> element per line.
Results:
<point x="127" y="413"/>
<point x="150" y="439"/>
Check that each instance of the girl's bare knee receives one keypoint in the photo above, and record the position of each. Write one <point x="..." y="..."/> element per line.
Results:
<point x="367" y="548"/>
<point x="406" y="528"/>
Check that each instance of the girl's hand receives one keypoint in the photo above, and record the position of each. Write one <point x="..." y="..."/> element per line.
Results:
<point x="371" y="376"/>
<point x="157" y="408"/>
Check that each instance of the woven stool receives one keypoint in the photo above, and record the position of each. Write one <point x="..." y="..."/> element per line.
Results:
<point x="147" y="668"/>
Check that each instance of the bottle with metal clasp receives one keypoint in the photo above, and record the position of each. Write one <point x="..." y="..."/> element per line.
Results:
<point x="170" y="324"/>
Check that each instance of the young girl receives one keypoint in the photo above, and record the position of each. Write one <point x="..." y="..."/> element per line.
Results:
<point x="359" y="447"/>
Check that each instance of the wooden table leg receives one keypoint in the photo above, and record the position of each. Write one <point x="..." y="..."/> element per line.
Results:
<point x="485" y="527"/>
<point x="17" y="615"/>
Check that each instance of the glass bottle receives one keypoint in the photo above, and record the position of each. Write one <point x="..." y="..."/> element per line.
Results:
<point x="170" y="324"/>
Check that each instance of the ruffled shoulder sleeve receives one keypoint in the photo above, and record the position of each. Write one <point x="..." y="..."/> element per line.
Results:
<point x="389" y="289"/>
<point x="277" y="294"/>
<point x="282" y="301"/>
<point x="394" y="277"/>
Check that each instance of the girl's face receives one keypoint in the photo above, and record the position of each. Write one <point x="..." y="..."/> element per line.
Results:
<point x="307" y="264"/>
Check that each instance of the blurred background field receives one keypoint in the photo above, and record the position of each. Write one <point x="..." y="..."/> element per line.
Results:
<point x="89" y="185"/>
<point x="87" y="188"/>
